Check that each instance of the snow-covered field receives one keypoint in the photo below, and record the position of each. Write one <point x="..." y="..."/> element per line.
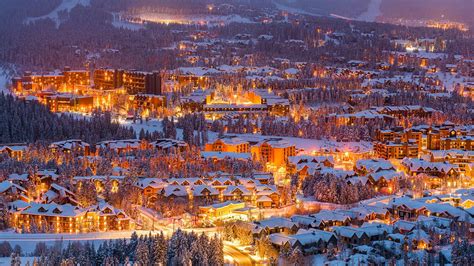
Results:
<point x="66" y="5"/>
<point x="27" y="242"/>
<point x="150" y="126"/>
<point x="293" y="9"/>
<point x="122" y="24"/>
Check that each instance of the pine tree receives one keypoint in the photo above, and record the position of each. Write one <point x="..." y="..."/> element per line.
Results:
<point x="143" y="253"/>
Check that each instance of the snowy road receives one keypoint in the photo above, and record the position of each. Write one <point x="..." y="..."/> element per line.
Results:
<point x="237" y="256"/>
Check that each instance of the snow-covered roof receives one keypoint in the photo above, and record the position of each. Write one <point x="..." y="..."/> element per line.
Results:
<point x="385" y="174"/>
<point x="14" y="188"/>
<point x="276" y="222"/>
<point x="230" y="190"/>
<point x="198" y="190"/>
<point x="374" y="165"/>
<point x="223" y="155"/>
<point x="53" y="209"/>
<point x="177" y="191"/>
<point x="18" y="177"/>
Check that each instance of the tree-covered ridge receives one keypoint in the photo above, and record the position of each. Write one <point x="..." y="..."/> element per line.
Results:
<point x="23" y="121"/>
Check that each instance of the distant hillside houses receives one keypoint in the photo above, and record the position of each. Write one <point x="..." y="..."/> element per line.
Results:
<point x="385" y="114"/>
<point x="378" y="225"/>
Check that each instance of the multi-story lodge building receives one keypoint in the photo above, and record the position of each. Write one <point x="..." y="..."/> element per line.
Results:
<point x="66" y="80"/>
<point x="399" y="143"/>
<point x="72" y="145"/>
<point x="108" y="79"/>
<point x="448" y="136"/>
<point x="395" y="149"/>
<point x="148" y="103"/>
<point x="74" y="78"/>
<point x="67" y="218"/>
<point x="269" y="150"/>
<point x="254" y="101"/>
<point x="463" y="159"/>
<point x="133" y="82"/>
<point x="229" y="144"/>
<point x="15" y="151"/>
<point x="136" y="82"/>
<point x="66" y="102"/>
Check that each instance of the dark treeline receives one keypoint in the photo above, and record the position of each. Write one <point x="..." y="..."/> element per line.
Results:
<point x="23" y="121"/>
<point x="181" y="249"/>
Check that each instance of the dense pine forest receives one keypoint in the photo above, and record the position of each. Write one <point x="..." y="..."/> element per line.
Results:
<point x="25" y="121"/>
<point x="181" y="248"/>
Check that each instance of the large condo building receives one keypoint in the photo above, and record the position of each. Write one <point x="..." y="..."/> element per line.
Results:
<point x="133" y="82"/>
<point x="107" y="79"/>
<point x="67" y="80"/>
<point x="136" y="82"/>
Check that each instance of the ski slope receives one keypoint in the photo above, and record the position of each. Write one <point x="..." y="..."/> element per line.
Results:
<point x="373" y="11"/>
<point x="66" y="5"/>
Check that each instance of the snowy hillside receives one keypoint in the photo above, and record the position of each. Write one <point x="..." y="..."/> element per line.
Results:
<point x="66" y="5"/>
<point x="373" y="11"/>
<point x="5" y="78"/>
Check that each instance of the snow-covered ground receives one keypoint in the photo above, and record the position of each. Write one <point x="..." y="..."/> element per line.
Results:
<point x="5" y="78"/>
<point x="449" y="80"/>
<point x="373" y="11"/>
<point x="122" y="24"/>
<point x="27" y="242"/>
<point x="294" y="10"/>
<point x="66" y="5"/>
<point x="149" y="126"/>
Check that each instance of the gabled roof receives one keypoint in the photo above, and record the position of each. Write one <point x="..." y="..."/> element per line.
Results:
<point x="404" y="225"/>
<point x="301" y="159"/>
<point x="327" y="215"/>
<point x="385" y="174"/>
<point x="153" y="182"/>
<point x="8" y="185"/>
<point x="198" y="190"/>
<point x="264" y="199"/>
<point x="172" y="190"/>
<point x="18" y="177"/>
<point x="372" y="165"/>
<point x="419" y="235"/>
<point x="349" y="232"/>
<point x="276" y="222"/>
<point x="53" y="209"/>
<point x="232" y="189"/>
